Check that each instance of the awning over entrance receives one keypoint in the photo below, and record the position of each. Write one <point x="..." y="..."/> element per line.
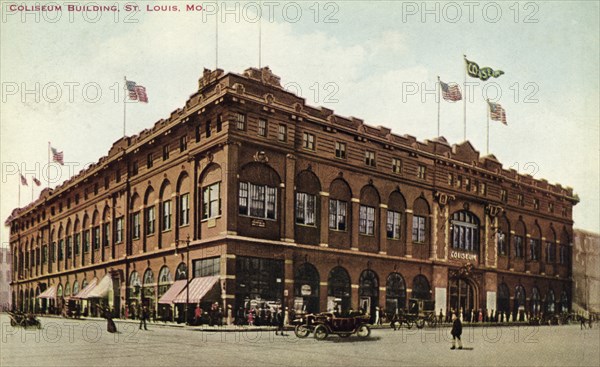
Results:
<point x="48" y="293"/>
<point x="83" y="294"/>
<point x="199" y="287"/>
<point x="172" y="292"/>
<point x="102" y="289"/>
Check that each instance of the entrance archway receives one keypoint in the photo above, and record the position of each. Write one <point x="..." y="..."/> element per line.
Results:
<point x="338" y="290"/>
<point x="306" y="288"/>
<point x="463" y="295"/>
<point x="368" y="291"/>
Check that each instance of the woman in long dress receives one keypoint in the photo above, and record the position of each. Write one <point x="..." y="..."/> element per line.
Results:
<point x="110" y="324"/>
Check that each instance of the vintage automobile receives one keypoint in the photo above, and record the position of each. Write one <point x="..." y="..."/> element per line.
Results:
<point x="23" y="320"/>
<point x="328" y="323"/>
<point x="304" y="324"/>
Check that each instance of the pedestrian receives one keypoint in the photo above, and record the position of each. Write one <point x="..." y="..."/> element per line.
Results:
<point x="197" y="314"/>
<point x="110" y="324"/>
<point x="229" y="315"/>
<point x="144" y="315"/>
<point x="376" y="321"/>
<point x="582" y="320"/>
<point x="279" y="320"/>
<point x="456" y="332"/>
<point x="251" y="317"/>
<point x="441" y="316"/>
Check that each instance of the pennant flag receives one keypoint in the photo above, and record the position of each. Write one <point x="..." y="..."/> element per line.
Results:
<point x="24" y="181"/>
<point x="484" y="74"/>
<point x="497" y="113"/>
<point x="450" y="92"/>
<point x="136" y="92"/>
<point x="37" y="182"/>
<point x="57" y="156"/>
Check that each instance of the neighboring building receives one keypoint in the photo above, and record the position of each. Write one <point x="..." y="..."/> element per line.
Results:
<point x="284" y="202"/>
<point x="5" y="277"/>
<point x="586" y="270"/>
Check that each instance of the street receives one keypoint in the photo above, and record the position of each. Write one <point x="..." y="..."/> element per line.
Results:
<point x="85" y="342"/>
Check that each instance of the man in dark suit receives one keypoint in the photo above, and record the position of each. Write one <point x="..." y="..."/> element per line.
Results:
<point x="144" y="315"/>
<point x="456" y="332"/>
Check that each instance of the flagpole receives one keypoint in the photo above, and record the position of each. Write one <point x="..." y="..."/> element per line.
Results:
<point x="439" y="102"/>
<point x="488" y="128"/>
<point x="124" y="106"/>
<point x="465" y="104"/>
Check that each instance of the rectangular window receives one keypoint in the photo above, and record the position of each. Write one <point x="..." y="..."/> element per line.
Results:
<point x="150" y="220"/>
<point x="503" y="195"/>
<point x="519" y="247"/>
<point x="534" y="245"/>
<point x="563" y="211"/>
<point x="149" y="160"/>
<point x="418" y="229"/>
<point x="282" y="133"/>
<point x="119" y="230"/>
<point x="118" y="175"/>
<point x="467" y="184"/>
<point x="520" y="200"/>
<point x="536" y="203"/>
<point x="211" y="201"/>
<point x="240" y="121"/>
<point x="459" y="181"/>
<point x="134" y="168"/>
<point x="166" y="151"/>
<point x="564" y="255"/>
<point x="61" y="250"/>
<point x="135" y="225"/>
<point x="370" y="158"/>
<point x="68" y="249"/>
<point x="551" y="207"/>
<point x="308" y="141"/>
<point x="306" y="207"/>
<point x="86" y="241"/>
<point x="106" y="235"/>
<point x="482" y="189"/>
<point x="219" y="123"/>
<point x="44" y="254"/>
<point x="183" y="143"/>
<point x="501" y="237"/>
<point x="76" y="243"/>
<point x="198" y="132"/>
<point x="366" y="220"/>
<point x="262" y="127"/>
<point x="106" y="185"/>
<point x="340" y="150"/>
<point x="257" y="201"/>
<point x="207" y="267"/>
<point x="184" y="209"/>
<point x="393" y="224"/>
<point x="550" y="252"/>
<point x="208" y="129"/>
<point x="337" y="214"/>
<point x="396" y="165"/>
<point x="450" y="179"/>
<point x="96" y="237"/>
<point x="166" y="215"/>
<point x="421" y="173"/>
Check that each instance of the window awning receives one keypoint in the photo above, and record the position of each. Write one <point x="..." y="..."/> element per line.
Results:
<point x="102" y="289"/>
<point x="83" y="294"/>
<point x="48" y="293"/>
<point x="173" y="291"/>
<point x="198" y="288"/>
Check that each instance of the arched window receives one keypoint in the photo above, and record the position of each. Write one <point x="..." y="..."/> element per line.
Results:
<point x="564" y="301"/>
<point x="420" y="288"/>
<point x="306" y="288"/>
<point x="339" y="199"/>
<point x="503" y="236"/>
<point x="395" y="216"/>
<point x="307" y="198"/>
<point x="210" y="180"/>
<point x="181" y="272"/>
<point x="550" y="301"/>
<point x="465" y="231"/>
<point x="535" y="244"/>
<point x="257" y="196"/>
<point x="75" y="288"/>
<point x="134" y="284"/>
<point x="164" y="280"/>
<point x="395" y="292"/>
<point x="535" y="301"/>
<point x="519" y="240"/>
<point x="67" y="289"/>
<point x="420" y="227"/>
<point x="338" y="289"/>
<point x="519" y="304"/>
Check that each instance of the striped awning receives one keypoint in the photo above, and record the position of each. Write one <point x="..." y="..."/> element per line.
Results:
<point x="173" y="291"/>
<point x="197" y="290"/>
<point x="102" y="289"/>
<point x="48" y="293"/>
<point x="83" y="294"/>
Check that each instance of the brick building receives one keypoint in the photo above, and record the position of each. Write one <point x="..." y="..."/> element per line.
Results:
<point x="5" y="276"/>
<point x="252" y="196"/>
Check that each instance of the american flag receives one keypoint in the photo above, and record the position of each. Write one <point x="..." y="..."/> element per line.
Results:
<point x="57" y="156"/>
<point x="37" y="182"/>
<point x="450" y="92"/>
<point x="136" y="92"/>
<point x="497" y="113"/>
<point x="24" y="181"/>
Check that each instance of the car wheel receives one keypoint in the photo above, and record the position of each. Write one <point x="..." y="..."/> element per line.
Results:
<point x="301" y="331"/>
<point x="321" y="332"/>
<point x="363" y="331"/>
<point x="420" y="323"/>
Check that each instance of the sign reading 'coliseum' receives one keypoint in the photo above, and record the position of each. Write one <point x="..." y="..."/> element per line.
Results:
<point x="462" y="256"/>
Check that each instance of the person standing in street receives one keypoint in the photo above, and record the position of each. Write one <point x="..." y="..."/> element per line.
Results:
<point x="456" y="332"/>
<point x="144" y="315"/>
<point x="279" y="321"/>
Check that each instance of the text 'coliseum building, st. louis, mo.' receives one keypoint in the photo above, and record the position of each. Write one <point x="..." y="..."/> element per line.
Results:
<point x="247" y="196"/>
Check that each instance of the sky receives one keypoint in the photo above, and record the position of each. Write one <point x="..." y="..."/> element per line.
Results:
<point x="62" y="76"/>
